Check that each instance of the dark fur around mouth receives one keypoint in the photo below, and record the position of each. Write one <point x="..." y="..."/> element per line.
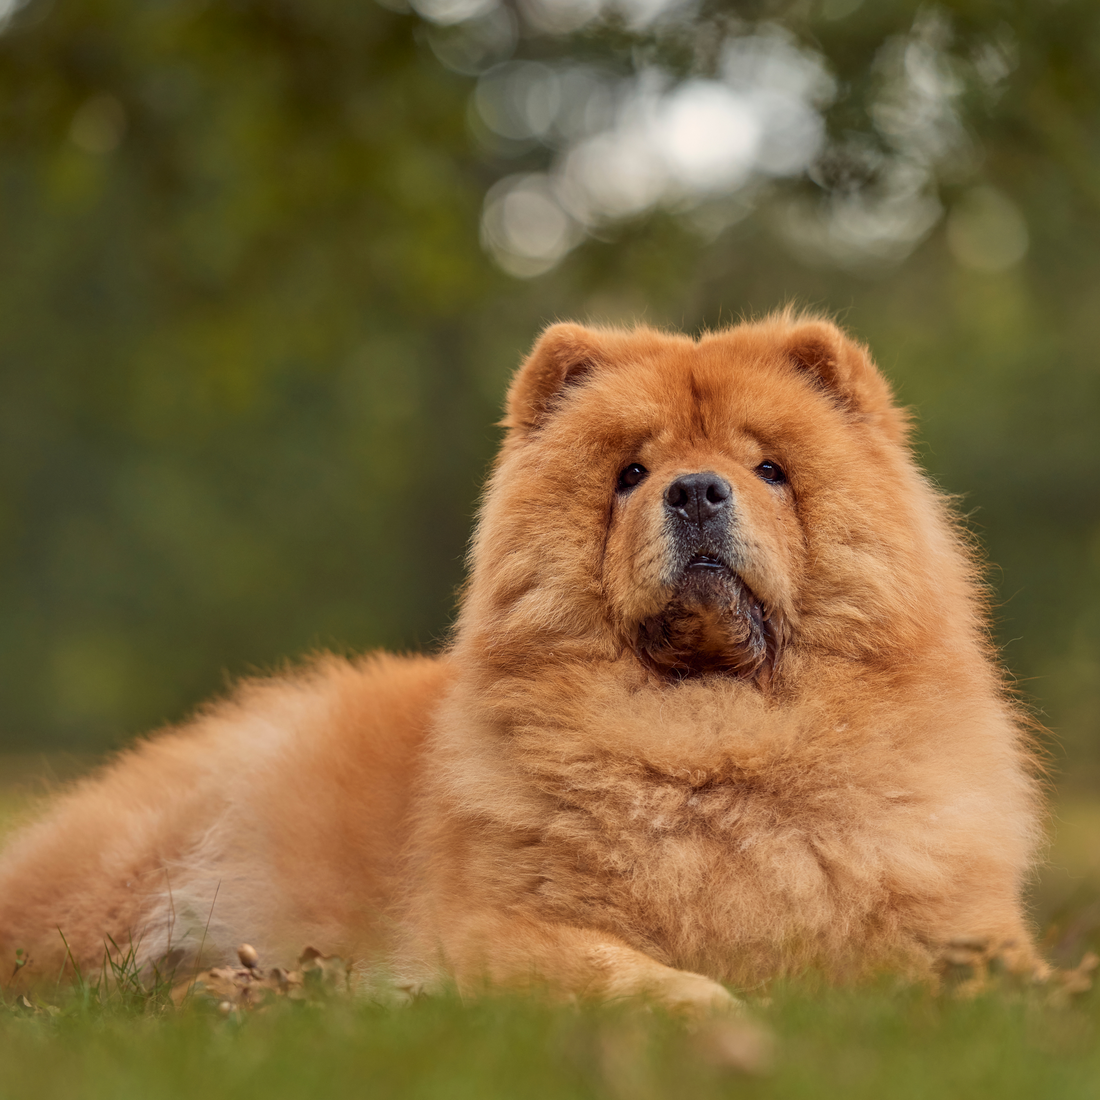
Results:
<point x="713" y="623"/>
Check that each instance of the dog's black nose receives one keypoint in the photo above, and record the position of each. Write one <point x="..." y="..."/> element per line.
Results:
<point x="698" y="497"/>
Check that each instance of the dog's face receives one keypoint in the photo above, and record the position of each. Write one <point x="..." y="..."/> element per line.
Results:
<point x="704" y="504"/>
<point x="704" y="548"/>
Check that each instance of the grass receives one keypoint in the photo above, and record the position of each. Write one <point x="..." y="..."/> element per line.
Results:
<point x="112" y="1039"/>
<point x="867" y="1043"/>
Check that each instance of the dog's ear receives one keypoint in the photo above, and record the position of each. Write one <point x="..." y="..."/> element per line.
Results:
<point x="563" y="356"/>
<point x="844" y="370"/>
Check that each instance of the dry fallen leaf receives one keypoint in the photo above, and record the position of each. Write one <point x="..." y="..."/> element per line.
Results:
<point x="969" y="965"/>
<point x="248" y="986"/>
<point x="1067" y="984"/>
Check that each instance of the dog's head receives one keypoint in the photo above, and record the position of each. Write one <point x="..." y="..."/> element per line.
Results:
<point x="704" y="504"/>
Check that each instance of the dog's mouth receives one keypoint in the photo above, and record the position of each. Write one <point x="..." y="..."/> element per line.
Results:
<point x="704" y="561"/>
<point x="714" y="623"/>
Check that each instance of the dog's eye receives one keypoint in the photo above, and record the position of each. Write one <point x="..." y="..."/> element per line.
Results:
<point x="769" y="471"/>
<point x="632" y="475"/>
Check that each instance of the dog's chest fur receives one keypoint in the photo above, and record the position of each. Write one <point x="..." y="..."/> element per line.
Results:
<point x="711" y="867"/>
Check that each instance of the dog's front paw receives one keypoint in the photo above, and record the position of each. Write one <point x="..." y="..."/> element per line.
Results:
<point x="690" y="994"/>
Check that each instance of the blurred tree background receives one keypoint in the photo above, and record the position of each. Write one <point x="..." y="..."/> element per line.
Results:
<point x="265" y="267"/>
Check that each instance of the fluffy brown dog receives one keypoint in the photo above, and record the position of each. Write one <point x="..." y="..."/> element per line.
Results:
<point x="720" y="705"/>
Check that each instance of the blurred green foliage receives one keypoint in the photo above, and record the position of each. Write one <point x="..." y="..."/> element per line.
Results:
<point x="251" y="349"/>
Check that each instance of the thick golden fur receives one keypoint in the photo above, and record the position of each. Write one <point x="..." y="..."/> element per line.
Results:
<point x="647" y="764"/>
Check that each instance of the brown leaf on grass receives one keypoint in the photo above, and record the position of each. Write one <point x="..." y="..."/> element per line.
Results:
<point x="22" y="1005"/>
<point x="1067" y="984"/>
<point x="248" y="986"/>
<point x="324" y="973"/>
<point x="969" y="965"/>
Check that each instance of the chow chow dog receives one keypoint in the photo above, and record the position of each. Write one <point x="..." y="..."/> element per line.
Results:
<point x="720" y="705"/>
